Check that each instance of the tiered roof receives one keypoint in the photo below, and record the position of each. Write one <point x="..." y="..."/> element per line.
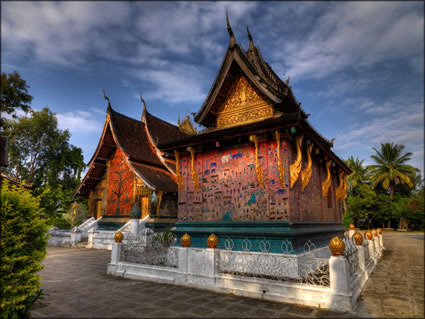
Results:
<point x="137" y="140"/>
<point x="288" y="112"/>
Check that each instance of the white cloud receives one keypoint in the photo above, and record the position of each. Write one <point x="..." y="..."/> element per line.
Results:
<point x="79" y="122"/>
<point x="356" y="34"/>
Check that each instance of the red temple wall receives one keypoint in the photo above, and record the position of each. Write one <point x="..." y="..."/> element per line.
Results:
<point x="120" y="188"/>
<point x="310" y="205"/>
<point x="229" y="188"/>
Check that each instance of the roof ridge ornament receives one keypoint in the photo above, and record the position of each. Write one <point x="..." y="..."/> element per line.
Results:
<point x="107" y="98"/>
<point x="144" y="108"/>
<point x="251" y="41"/>
<point x="229" y="29"/>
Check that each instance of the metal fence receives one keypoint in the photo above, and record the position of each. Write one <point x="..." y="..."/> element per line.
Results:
<point x="151" y="249"/>
<point x="304" y="268"/>
<point x="350" y="253"/>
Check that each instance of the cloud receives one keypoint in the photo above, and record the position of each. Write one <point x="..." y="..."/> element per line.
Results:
<point x="358" y="35"/>
<point x="79" y="122"/>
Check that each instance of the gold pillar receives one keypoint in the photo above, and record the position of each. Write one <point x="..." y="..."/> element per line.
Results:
<point x="258" y="170"/>
<point x="279" y="160"/>
<point x="179" y="178"/>
<point x="194" y="174"/>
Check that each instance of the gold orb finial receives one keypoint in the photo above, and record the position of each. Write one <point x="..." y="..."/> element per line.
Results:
<point x="368" y="234"/>
<point x="379" y="230"/>
<point x="352" y="227"/>
<point x="212" y="241"/>
<point x="375" y="233"/>
<point x="118" y="237"/>
<point x="186" y="240"/>
<point x="358" y="238"/>
<point x="337" y="246"/>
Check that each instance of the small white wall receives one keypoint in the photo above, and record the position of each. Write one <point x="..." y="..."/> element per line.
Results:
<point x="59" y="237"/>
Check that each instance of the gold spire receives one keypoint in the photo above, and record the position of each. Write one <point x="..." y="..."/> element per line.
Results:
<point x="229" y="29"/>
<point x="107" y="98"/>
<point x="186" y="125"/>
<point x="144" y="108"/>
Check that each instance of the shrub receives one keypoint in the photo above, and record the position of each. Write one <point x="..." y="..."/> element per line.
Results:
<point x="135" y="212"/>
<point x="347" y="219"/>
<point x="60" y="222"/>
<point x="22" y="249"/>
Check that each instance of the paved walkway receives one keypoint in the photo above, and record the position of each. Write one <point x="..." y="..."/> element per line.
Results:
<point x="78" y="287"/>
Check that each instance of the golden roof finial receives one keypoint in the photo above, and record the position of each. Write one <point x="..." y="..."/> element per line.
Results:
<point x="144" y="107"/>
<point x="107" y="98"/>
<point x="229" y="29"/>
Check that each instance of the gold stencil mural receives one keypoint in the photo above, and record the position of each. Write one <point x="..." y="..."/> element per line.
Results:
<point x="295" y="167"/>
<point x="279" y="160"/>
<point x="258" y="170"/>
<point x="327" y="182"/>
<point x="243" y="105"/>
<point x="306" y="173"/>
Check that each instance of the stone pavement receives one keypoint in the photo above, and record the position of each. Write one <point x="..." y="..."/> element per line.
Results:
<point x="77" y="284"/>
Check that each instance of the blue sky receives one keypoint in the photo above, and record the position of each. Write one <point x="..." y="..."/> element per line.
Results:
<point x="356" y="67"/>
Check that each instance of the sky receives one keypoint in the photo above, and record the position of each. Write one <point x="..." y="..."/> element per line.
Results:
<point x="356" y="67"/>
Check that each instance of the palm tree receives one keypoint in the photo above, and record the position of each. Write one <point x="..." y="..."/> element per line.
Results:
<point x="359" y="173"/>
<point x="391" y="169"/>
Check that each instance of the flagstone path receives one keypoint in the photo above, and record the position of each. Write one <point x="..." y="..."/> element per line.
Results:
<point x="78" y="287"/>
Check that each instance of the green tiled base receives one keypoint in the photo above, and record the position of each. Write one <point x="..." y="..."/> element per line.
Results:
<point x="260" y="234"/>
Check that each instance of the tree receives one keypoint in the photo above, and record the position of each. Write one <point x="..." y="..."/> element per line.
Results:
<point x="14" y="95"/>
<point x="40" y="153"/>
<point x="359" y="175"/>
<point x="391" y="169"/>
<point x="360" y="206"/>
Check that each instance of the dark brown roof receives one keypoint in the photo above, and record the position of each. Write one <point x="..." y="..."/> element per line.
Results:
<point x="162" y="131"/>
<point x="131" y="137"/>
<point x="158" y="178"/>
<point x="268" y="124"/>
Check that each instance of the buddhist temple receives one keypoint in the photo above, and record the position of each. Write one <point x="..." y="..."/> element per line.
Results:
<point x="258" y="170"/>
<point x="127" y="168"/>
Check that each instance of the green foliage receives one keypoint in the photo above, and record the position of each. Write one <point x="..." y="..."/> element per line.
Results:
<point x="60" y="222"/>
<point x="23" y="248"/>
<point x="347" y="219"/>
<point x="40" y="153"/>
<point x="390" y="169"/>
<point x="361" y="205"/>
<point x="78" y="215"/>
<point x="135" y="212"/>
<point x="359" y="175"/>
<point x="14" y="95"/>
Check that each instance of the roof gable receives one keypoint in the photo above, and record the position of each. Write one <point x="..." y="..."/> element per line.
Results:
<point x="243" y="104"/>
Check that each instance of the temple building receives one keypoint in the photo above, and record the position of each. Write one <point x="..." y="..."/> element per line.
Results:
<point x="127" y="168"/>
<point x="259" y="170"/>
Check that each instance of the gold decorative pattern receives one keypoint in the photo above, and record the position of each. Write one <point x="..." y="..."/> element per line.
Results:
<point x="327" y="182"/>
<point x="279" y="160"/>
<point x="186" y="240"/>
<point x="258" y="170"/>
<point x="243" y="105"/>
<point x="375" y="234"/>
<point x="341" y="191"/>
<point x="179" y="178"/>
<point x="295" y="167"/>
<point x="379" y="230"/>
<point x="358" y="238"/>
<point x="352" y="227"/>
<point x="306" y="172"/>
<point x="194" y="174"/>
<point x="336" y="246"/>
<point x="212" y="241"/>
<point x="186" y="126"/>
<point x="368" y="234"/>
<point x="118" y="237"/>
